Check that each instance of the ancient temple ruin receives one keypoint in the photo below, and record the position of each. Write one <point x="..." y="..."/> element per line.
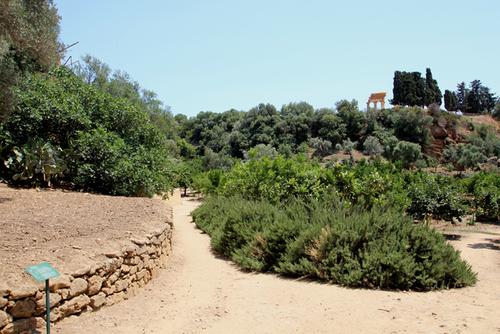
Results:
<point x="375" y="98"/>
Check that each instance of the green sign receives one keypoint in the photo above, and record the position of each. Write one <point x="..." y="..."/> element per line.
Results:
<point x="42" y="271"/>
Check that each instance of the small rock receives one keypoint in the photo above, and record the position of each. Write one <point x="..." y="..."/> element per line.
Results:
<point x="141" y="274"/>
<point x="64" y="293"/>
<point x="121" y="285"/>
<point x="115" y="298"/>
<point x="3" y="302"/>
<point x="78" y="286"/>
<point x="98" y="300"/>
<point x="23" y="308"/>
<point x="74" y="305"/>
<point x="55" y="299"/>
<point x="61" y="282"/>
<point x="130" y="250"/>
<point x="22" y="293"/>
<point x="139" y="242"/>
<point x="114" y="254"/>
<point x="4" y="318"/>
<point x="108" y="291"/>
<point x="24" y="326"/>
<point x="82" y="271"/>
<point x="95" y="284"/>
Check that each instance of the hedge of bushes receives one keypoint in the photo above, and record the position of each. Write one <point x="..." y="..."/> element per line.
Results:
<point x="420" y="194"/>
<point x="67" y="133"/>
<point x="351" y="224"/>
<point x="334" y="241"/>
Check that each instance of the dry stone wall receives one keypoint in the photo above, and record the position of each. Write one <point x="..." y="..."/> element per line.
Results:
<point x="104" y="283"/>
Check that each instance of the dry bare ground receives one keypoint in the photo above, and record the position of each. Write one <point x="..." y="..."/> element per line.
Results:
<point x="200" y="293"/>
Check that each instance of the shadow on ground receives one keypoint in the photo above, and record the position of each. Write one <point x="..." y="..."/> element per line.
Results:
<point x="493" y="244"/>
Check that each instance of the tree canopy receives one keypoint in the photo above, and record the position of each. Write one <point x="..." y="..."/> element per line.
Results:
<point x="29" y="31"/>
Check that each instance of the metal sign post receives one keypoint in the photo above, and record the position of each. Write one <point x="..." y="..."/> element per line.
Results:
<point x="43" y="272"/>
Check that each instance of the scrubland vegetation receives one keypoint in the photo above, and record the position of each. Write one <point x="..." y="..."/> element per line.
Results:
<point x="286" y="189"/>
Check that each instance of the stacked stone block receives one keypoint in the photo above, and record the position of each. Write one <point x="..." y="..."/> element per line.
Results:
<point x="105" y="283"/>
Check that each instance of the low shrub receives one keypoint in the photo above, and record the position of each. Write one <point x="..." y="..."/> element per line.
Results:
<point x="276" y="180"/>
<point x="333" y="241"/>
<point x="485" y="191"/>
<point x="433" y="196"/>
<point x="208" y="182"/>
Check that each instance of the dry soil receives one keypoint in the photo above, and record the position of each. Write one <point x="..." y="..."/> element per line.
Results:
<point x="201" y="293"/>
<point x="68" y="229"/>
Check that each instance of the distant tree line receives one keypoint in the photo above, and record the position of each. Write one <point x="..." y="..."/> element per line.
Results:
<point x="411" y="89"/>
<point x="476" y="98"/>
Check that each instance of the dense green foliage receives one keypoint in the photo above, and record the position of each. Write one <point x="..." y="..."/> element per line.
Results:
<point x="485" y="191"/>
<point x="333" y="241"/>
<point x="411" y="89"/>
<point x="476" y="98"/>
<point x="480" y="145"/>
<point x="433" y="196"/>
<point x="450" y="100"/>
<point x="28" y="43"/>
<point x="87" y="138"/>
<point x="270" y="206"/>
<point x="419" y="194"/>
<point x="276" y="179"/>
<point x="218" y="137"/>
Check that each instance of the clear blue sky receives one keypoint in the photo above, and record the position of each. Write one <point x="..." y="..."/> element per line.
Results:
<point x="213" y="55"/>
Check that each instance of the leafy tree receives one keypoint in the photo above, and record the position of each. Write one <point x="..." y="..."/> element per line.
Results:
<point x="327" y="125"/>
<point x="450" y="100"/>
<point x="119" y="84"/>
<point x="322" y="147"/>
<point x="479" y="98"/>
<point x="411" y="124"/>
<point x="261" y="151"/>
<point x="216" y="160"/>
<point x="352" y="117"/>
<point x="372" y="146"/>
<point x="434" y="196"/>
<point x="294" y="126"/>
<point x="486" y="140"/>
<point x="407" y="153"/>
<point x="476" y="99"/>
<point x="28" y="43"/>
<point x="348" y="146"/>
<point x="93" y="71"/>
<point x="496" y="112"/>
<point x="485" y="190"/>
<point x="258" y="125"/>
<point x="106" y="144"/>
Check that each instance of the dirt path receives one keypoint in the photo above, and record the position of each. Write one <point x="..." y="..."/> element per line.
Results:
<point x="200" y="293"/>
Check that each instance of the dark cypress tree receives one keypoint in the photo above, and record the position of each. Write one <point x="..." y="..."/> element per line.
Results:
<point x="450" y="100"/>
<point x="420" y="91"/>
<point x="461" y="95"/>
<point x="473" y="99"/>
<point x="432" y="91"/>
<point x="397" y="89"/>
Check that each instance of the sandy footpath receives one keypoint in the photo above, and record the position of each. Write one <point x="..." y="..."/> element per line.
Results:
<point x="200" y="293"/>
